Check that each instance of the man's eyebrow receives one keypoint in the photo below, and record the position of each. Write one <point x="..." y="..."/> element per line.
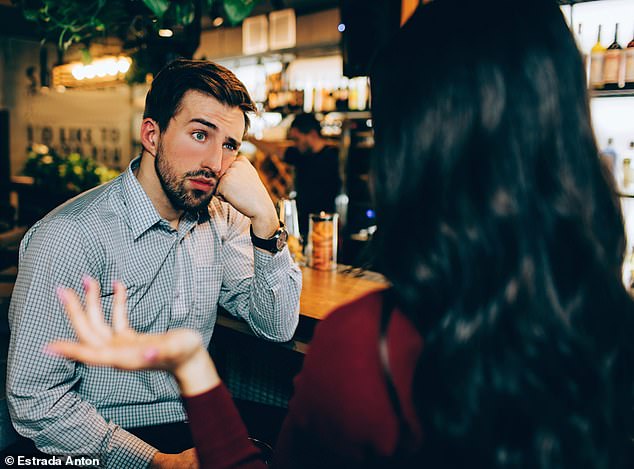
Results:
<point x="213" y="126"/>
<point x="204" y="122"/>
<point x="234" y="142"/>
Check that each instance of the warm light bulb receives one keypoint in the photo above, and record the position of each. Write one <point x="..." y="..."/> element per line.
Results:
<point x="89" y="71"/>
<point x="123" y="64"/>
<point x="100" y="69"/>
<point x="165" y="33"/>
<point x="111" y="67"/>
<point x="78" y="72"/>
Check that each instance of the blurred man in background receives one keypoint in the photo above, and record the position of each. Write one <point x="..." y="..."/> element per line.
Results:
<point x="316" y="165"/>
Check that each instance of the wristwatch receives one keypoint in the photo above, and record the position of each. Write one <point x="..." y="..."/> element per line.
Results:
<point x="275" y="243"/>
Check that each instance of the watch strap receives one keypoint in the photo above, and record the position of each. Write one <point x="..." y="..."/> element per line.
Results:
<point x="271" y="244"/>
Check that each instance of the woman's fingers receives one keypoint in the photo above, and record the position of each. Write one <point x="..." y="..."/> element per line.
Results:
<point x="78" y="318"/>
<point x="120" y="309"/>
<point x="94" y="355"/>
<point x="133" y="354"/>
<point x="93" y="308"/>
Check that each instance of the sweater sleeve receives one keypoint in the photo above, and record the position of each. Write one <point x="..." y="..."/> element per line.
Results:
<point x="219" y="435"/>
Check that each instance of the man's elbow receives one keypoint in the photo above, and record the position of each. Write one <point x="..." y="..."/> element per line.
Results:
<point x="282" y="333"/>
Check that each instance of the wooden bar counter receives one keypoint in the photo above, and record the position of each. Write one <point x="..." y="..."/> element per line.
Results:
<point x="325" y="291"/>
<point x="322" y="293"/>
<point x="261" y="371"/>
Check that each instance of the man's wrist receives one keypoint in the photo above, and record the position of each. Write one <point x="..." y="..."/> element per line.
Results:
<point x="265" y="226"/>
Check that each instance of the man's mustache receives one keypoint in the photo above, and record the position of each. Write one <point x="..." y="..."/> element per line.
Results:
<point x="202" y="173"/>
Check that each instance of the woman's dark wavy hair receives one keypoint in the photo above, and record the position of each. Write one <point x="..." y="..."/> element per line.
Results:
<point x="502" y="239"/>
<point x="164" y="99"/>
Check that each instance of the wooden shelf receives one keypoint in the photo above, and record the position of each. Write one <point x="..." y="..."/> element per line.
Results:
<point x="572" y="2"/>
<point x="629" y="93"/>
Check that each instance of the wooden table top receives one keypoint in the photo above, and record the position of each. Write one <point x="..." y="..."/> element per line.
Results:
<point x="324" y="291"/>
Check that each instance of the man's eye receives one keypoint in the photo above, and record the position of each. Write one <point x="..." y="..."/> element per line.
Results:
<point x="230" y="146"/>
<point x="199" y="136"/>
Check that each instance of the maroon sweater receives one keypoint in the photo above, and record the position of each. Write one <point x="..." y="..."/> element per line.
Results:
<point x="340" y="414"/>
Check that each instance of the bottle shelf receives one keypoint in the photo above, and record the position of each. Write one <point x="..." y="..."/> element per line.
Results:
<point x="612" y="93"/>
<point x="573" y="2"/>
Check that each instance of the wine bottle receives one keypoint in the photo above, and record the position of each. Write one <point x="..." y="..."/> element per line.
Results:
<point x="612" y="64"/>
<point x="584" y="55"/>
<point x="628" y="171"/>
<point x="597" y="58"/>
<point x="629" y="65"/>
<point x="609" y="157"/>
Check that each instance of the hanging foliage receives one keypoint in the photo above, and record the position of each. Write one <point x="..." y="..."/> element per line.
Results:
<point x="80" y="21"/>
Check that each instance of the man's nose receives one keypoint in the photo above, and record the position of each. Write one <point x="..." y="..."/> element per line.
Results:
<point x="213" y="158"/>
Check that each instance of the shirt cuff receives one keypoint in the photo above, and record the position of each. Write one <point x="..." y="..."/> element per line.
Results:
<point x="129" y="451"/>
<point x="274" y="267"/>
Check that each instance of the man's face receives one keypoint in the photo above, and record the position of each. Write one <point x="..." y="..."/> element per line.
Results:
<point x="299" y="139"/>
<point x="198" y="146"/>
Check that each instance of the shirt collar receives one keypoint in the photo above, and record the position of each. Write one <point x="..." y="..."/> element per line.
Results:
<point x="139" y="210"/>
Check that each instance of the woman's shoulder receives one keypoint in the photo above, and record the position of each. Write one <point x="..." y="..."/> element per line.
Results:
<point x="350" y="331"/>
<point x="355" y="314"/>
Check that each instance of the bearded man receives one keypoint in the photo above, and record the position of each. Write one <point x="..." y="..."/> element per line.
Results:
<point x="187" y="227"/>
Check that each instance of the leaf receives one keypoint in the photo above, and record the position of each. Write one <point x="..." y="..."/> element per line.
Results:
<point x="86" y="56"/>
<point x="158" y="7"/>
<point x="182" y="13"/>
<point x="31" y="15"/>
<point x="238" y="10"/>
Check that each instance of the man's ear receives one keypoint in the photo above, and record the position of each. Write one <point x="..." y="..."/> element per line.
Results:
<point x="150" y="133"/>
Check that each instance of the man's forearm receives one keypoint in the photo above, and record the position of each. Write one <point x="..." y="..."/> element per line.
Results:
<point x="276" y="288"/>
<point x="74" y="427"/>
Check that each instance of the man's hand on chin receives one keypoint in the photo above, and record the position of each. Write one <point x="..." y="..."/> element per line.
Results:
<point x="241" y="186"/>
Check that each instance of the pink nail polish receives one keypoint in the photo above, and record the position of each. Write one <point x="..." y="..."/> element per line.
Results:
<point x="85" y="281"/>
<point x="48" y="350"/>
<point x="61" y="293"/>
<point x="150" y="354"/>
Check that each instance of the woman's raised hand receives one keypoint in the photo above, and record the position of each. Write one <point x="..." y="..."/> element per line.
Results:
<point x="179" y="351"/>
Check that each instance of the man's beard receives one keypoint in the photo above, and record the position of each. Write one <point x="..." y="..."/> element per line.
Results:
<point x="180" y="197"/>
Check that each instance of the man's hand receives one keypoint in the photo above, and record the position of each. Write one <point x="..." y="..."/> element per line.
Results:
<point x="241" y="186"/>
<point x="185" y="460"/>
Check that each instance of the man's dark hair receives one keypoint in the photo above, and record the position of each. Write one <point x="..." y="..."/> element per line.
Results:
<point x="305" y="122"/>
<point x="182" y="75"/>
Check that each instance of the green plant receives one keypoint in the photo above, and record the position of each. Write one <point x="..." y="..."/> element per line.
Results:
<point x="79" y="21"/>
<point x="64" y="173"/>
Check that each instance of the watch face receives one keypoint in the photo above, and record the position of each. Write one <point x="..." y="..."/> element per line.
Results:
<point x="281" y="240"/>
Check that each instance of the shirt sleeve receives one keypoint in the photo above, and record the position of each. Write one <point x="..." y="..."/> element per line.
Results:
<point x="41" y="394"/>
<point x="219" y="435"/>
<point x="261" y="288"/>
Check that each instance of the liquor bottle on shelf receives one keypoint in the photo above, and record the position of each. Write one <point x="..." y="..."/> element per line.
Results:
<point x="612" y="64"/>
<point x="597" y="58"/>
<point x="579" y="41"/>
<point x="609" y="157"/>
<point x="628" y="171"/>
<point x="629" y="65"/>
